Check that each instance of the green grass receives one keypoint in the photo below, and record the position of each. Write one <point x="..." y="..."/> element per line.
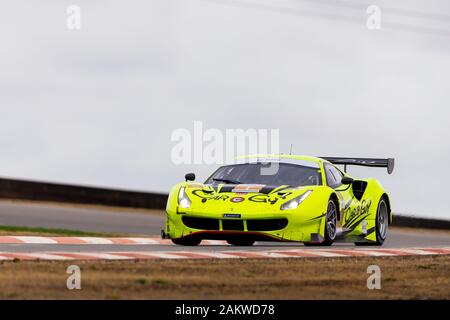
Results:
<point x="18" y="230"/>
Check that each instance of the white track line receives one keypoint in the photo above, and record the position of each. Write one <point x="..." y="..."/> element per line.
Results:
<point x="161" y="255"/>
<point x="242" y="254"/>
<point x="269" y="254"/>
<point x="95" y="240"/>
<point x="376" y="253"/>
<point x="102" y="255"/>
<point x="214" y="242"/>
<point x="144" y="240"/>
<point x="35" y="240"/>
<point x="220" y="255"/>
<point x="331" y="252"/>
<point x="419" y="252"/>
<point x="323" y="253"/>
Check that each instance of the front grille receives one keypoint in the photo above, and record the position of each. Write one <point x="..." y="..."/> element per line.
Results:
<point x="266" y="224"/>
<point x="201" y="223"/>
<point x="233" y="225"/>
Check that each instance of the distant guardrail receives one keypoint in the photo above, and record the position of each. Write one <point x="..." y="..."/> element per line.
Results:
<point x="416" y="222"/>
<point x="54" y="192"/>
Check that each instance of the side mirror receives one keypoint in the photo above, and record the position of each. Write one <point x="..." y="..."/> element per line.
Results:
<point x="190" y="176"/>
<point x="347" y="180"/>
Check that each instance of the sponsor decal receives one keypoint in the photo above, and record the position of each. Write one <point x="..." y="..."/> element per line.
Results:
<point x="276" y="194"/>
<point x="360" y="211"/>
<point x="205" y="196"/>
<point x="231" y="215"/>
<point x="264" y="198"/>
<point x="269" y="198"/>
<point x="248" y="188"/>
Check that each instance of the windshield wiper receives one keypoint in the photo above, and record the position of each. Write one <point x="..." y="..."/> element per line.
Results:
<point x="227" y="181"/>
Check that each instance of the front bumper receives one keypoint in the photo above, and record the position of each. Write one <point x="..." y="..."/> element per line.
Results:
<point x="263" y="227"/>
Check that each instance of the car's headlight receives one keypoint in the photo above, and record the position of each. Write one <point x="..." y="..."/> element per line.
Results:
<point x="294" y="203"/>
<point x="183" y="200"/>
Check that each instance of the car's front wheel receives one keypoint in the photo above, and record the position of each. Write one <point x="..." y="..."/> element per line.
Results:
<point x="187" y="241"/>
<point x="330" y="227"/>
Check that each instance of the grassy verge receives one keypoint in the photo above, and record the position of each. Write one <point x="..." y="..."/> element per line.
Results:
<point x="37" y="231"/>
<point x="421" y="277"/>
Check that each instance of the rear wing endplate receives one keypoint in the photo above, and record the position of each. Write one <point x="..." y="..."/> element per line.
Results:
<point x="365" y="162"/>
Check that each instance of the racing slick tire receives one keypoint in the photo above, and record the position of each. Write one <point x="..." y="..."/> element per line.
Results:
<point x="381" y="225"/>
<point x="241" y="242"/>
<point x="330" y="227"/>
<point x="188" y="241"/>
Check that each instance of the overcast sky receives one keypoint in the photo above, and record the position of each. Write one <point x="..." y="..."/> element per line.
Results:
<point x="97" y="106"/>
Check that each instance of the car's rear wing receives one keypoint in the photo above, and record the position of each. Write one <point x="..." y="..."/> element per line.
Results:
<point x="366" y="162"/>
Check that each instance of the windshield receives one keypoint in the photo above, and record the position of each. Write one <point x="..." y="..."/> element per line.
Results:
<point x="251" y="173"/>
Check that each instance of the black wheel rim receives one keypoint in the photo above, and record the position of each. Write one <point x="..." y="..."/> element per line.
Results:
<point x="382" y="220"/>
<point x="331" y="220"/>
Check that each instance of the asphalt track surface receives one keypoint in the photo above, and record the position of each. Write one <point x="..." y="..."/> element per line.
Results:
<point x="84" y="218"/>
<point x="141" y="223"/>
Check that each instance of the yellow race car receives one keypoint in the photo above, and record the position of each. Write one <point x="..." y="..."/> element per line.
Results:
<point x="281" y="198"/>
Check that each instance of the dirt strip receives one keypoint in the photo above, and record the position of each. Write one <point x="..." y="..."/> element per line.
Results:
<point x="402" y="277"/>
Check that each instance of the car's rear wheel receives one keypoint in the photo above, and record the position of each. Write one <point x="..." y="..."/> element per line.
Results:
<point x="187" y="241"/>
<point x="241" y="242"/>
<point x="330" y="227"/>
<point x="381" y="225"/>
